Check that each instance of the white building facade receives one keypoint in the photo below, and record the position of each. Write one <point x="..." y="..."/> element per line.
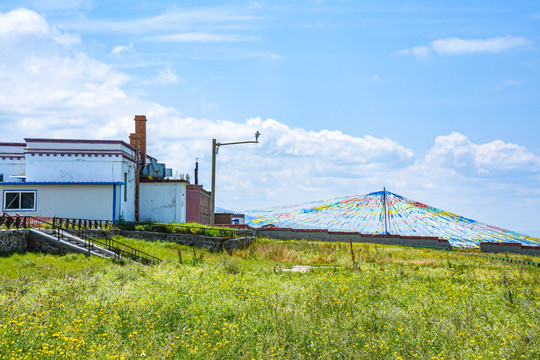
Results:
<point x="87" y="179"/>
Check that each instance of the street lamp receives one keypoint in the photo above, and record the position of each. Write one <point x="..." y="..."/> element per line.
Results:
<point x="215" y="149"/>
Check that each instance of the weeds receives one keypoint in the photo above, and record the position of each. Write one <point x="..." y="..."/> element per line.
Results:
<point x="229" y="265"/>
<point x="402" y="303"/>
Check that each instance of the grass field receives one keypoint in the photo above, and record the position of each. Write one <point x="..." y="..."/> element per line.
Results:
<point x="394" y="303"/>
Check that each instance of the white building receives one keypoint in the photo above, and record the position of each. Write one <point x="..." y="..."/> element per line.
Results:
<point x="163" y="201"/>
<point x="92" y="179"/>
<point x="88" y="179"/>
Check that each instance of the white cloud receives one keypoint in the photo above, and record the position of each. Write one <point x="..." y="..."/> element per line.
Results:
<point x="200" y="37"/>
<point x="513" y="82"/>
<point x="119" y="49"/>
<point x="209" y="18"/>
<point x="63" y="5"/>
<point x="333" y="145"/>
<point x="35" y="84"/>
<point x="457" y="46"/>
<point x="454" y="45"/>
<point x="420" y="52"/>
<point x="165" y="76"/>
<point x="270" y="56"/>
<point x="206" y="107"/>
<point x="64" y="39"/>
<point x="22" y="21"/>
<point x="457" y="151"/>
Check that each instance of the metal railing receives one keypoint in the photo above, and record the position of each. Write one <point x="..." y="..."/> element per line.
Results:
<point x="15" y="222"/>
<point x="120" y="250"/>
<point x="82" y="223"/>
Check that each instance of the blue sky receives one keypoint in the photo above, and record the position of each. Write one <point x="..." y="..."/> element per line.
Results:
<point x="437" y="101"/>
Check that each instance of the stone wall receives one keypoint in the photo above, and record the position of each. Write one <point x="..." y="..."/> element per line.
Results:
<point x="210" y="243"/>
<point x="24" y="240"/>
<point x="13" y="241"/>
<point x="324" y="235"/>
<point x="40" y="244"/>
<point x="493" y="247"/>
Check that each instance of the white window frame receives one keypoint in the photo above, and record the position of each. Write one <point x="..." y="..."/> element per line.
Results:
<point x="20" y="192"/>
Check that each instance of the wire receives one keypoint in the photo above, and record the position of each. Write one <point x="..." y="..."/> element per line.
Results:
<point x="226" y="206"/>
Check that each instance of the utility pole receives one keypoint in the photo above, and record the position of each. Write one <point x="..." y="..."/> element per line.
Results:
<point x="215" y="150"/>
<point x="213" y="194"/>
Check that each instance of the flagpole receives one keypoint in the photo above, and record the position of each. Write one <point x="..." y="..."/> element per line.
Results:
<point x="384" y="207"/>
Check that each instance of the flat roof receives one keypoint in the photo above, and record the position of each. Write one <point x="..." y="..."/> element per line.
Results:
<point x="12" y="144"/>
<point x="80" y="141"/>
<point x="163" y="181"/>
<point x="19" y="183"/>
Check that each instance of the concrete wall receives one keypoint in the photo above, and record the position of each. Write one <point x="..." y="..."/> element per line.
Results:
<point x="12" y="166"/>
<point x="73" y="168"/>
<point x="492" y="247"/>
<point x="55" y="160"/>
<point x="126" y="192"/>
<point x="163" y="202"/>
<point x="12" y="160"/>
<point x="100" y="202"/>
<point x="12" y="148"/>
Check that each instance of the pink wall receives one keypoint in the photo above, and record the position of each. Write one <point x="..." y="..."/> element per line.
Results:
<point x="193" y="203"/>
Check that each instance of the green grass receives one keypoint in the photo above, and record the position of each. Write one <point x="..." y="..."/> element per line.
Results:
<point x="397" y="302"/>
<point x="181" y="228"/>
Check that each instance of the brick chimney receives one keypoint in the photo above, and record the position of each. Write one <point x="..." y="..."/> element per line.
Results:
<point x="134" y="140"/>
<point x="139" y="140"/>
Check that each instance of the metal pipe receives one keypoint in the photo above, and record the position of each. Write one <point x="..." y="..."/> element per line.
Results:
<point x="238" y="142"/>
<point x="137" y="182"/>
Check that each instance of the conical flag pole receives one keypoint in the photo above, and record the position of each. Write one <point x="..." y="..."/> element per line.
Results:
<point x="384" y="207"/>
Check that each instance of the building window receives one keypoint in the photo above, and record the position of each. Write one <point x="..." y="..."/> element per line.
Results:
<point x="19" y="200"/>
<point x="1" y="177"/>
<point x="125" y="186"/>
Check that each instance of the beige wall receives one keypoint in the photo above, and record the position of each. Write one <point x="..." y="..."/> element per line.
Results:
<point x="70" y="201"/>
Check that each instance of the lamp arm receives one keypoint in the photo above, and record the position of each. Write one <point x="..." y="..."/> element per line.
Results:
<point x="239" y="142"/>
